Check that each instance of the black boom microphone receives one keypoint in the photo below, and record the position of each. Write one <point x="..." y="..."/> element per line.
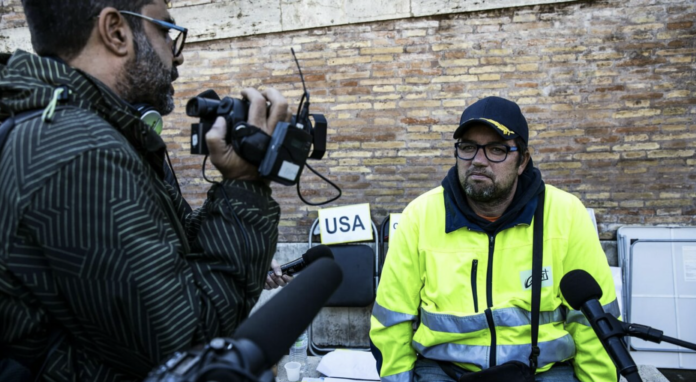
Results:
<point x="582" y="292"/>
<point x="309" y="257"/>
<point x="261" y="340"/>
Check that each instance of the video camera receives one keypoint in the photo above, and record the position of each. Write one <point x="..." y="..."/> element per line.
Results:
<point x="281" y="157"/>
<point x="222" y="359"/>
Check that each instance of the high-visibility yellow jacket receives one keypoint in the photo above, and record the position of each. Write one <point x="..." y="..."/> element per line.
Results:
<point x="471" y="292"/>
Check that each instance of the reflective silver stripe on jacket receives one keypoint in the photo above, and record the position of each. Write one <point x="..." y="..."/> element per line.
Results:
<point x="406" y="376"/>
<point x="556" y="350"/>
<point x="388" y="317"/>
<point x="512" y="317"/>
<point x="508" y="317"/>
<point x="453" y="324"/>
<point x="576" y="316"/>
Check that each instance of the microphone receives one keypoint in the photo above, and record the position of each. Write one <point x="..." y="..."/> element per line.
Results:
<point x="582" y="292"/>
<point x="261" y="340"/>
<point x="278" y="323"/>
<point x="310" y="256"/>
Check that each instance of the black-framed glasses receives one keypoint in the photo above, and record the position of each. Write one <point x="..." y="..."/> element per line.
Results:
<point x="176" y="33"/>
<point x="495" y="152"/>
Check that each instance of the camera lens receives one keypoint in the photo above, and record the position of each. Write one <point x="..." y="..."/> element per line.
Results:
<point x="192" y="107"/>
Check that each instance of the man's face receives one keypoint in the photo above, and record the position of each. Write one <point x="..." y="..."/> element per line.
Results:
<point x="147" y="77"/>
<point x="482" y="180"/>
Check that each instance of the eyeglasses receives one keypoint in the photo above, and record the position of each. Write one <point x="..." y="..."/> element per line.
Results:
<point x="176" y="33"/>
<point x="495" y="152"/>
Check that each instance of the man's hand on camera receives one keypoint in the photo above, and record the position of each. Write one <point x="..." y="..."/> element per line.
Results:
<point x="266" y="109"/>
<point x="278" y="279"/>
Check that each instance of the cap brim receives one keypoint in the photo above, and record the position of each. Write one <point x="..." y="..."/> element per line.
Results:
<point x="509" y="134"/>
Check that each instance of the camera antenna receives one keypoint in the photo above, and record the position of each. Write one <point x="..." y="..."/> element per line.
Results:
<point x="303" y="107"/>
<point x="302" y="114"/>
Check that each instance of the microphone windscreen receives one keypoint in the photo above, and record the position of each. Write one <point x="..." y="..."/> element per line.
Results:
<point x="317" y="252"/>
<point x="578" y="287"/>
<point x="278" y="323"/>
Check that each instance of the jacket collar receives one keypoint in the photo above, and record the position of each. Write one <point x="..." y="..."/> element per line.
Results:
<point x="458" y="213"/>
<point x="32" y="80"/>
<point x="455" y="219"/>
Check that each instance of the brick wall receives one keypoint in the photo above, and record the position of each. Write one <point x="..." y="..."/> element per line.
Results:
<point x="609" y="89"/>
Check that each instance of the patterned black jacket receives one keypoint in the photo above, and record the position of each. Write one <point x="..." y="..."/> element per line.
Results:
<point x="93" y="243"/>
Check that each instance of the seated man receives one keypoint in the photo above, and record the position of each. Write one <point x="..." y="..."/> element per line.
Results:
<point x="460" y="262"/>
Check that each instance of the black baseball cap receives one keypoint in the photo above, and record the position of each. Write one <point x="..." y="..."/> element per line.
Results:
<point x="502" y="115"/>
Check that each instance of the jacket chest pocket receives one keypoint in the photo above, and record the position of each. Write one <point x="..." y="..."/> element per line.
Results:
<point x="452" y="281"/>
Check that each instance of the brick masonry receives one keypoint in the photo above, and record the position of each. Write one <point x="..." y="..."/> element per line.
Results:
<point x="608" y="87"/>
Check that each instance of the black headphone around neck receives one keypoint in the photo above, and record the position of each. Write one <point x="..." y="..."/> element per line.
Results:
<point x="150" y="116"/>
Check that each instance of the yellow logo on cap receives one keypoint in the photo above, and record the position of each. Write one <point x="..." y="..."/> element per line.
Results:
<point x="502" y="128"/>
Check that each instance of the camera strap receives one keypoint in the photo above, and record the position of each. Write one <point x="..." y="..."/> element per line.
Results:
<point x="537" y="264"/>
<point x="250" y="142"/>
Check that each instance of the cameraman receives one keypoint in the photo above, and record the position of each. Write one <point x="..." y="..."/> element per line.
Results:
<point x="103" y="272"/>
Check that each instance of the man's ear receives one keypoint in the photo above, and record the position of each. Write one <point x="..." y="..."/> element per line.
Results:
<point x="525" y="161"/>
<point x="114" y="31"/>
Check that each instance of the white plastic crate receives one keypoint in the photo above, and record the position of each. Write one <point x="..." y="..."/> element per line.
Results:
<point x="659" y="274"/>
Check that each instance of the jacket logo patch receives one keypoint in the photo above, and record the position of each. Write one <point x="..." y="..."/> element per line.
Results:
<point x="546" y="278"/>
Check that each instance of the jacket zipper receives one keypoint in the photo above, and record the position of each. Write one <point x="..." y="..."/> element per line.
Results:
<point x="474" y="268"/>
<point x="489" y="300"/>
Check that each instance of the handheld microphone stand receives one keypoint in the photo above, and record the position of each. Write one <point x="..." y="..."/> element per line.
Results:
<point x="618" y="329"/>
<point x="653" y="335"/>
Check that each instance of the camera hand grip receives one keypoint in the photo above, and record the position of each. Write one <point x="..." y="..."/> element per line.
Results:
<point x="248" y="141"/>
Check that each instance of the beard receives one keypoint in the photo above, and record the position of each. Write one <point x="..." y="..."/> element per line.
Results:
<point x="145" y="78"/>
<point x="496" y="190"/>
